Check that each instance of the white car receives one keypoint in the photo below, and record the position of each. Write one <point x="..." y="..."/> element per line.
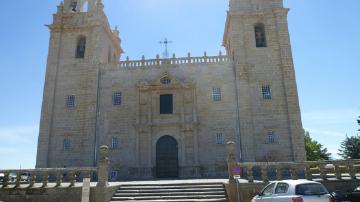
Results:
<point x="294" y="191"/>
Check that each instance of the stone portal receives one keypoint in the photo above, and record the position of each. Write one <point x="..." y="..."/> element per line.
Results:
<point x="167" y="161"/>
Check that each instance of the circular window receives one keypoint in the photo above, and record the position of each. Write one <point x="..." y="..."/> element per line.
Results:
<point x="165" y="80"/>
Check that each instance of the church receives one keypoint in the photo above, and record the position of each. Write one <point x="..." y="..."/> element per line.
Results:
<point x="169" y="117"/>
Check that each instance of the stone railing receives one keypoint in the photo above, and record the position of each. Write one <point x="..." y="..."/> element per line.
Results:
<point x="322" y="170"/>
<point x="172" y="61"/>
<point x="266" y="171"/>
<point x="57" y="177"/>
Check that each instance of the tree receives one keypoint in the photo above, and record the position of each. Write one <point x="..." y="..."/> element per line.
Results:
<point x="350" y="148"/>
<point x="314" y="150"/>
<point x="359" y="122"/>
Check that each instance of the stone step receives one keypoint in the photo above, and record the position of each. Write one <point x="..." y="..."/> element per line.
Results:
<point x="136" y="194"/>
<point x="172" y="192"/>
<point x="148" y="198"/>
<point x="183" y="200"/>
<point x="155" y="186"/>
<point x="168" y="190"/>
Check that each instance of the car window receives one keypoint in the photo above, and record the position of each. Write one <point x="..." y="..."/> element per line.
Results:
<point x="310" y="189"/>
<point x="281" y="188"/>
<point x="268" y="191"/>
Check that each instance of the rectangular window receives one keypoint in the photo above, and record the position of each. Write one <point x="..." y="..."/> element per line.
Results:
<point x="166" y="104"/>
<point x="114" y="143"/>
<point x="216" y="94"/>
<point x="116" y="98"/>
<point x="219" y="138"/>
<point x="66" y="144"/>
<point x="70" y="102"/>
<point x="271" y="137"/>
<point x="266" y="92"/>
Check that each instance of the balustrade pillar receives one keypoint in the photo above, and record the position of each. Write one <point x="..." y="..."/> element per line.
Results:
<point x="264" y="174"/>
<point x="322" y="171"/>
<point x="45" y="179"/>
<point x="293" y="171"/>
<point x="6" y="179"/>
<point x="337" y="172"/>
<point x="352" y="171"/>
<point x="59" y="178"/>
<point x="250" y="174"/>
<point x="72" y="178"/>
<point x="18" y="179"/>
<point x="279" y="170"/>
<point x="32" y="179"/>
<point x="308" y="173"/>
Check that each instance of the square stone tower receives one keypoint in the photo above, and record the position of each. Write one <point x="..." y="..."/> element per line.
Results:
<point x="257" y="40"/>
<point x="81" y="41"/>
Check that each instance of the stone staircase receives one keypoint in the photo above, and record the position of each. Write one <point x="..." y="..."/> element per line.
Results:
<point x="172" y="192"/>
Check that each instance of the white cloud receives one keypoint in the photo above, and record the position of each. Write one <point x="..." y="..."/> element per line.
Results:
<point x="325" y="133"/>
<point x="22" y="134"/>
<point x="332" y="116"/>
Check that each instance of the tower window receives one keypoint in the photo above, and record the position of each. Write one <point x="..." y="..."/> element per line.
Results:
<point x="271" y="137"/>
<point x="260" y="35"/>
<point x="70" y="102"/>
<point x="116" y="98"/>
<point x="166" y="104"/>
<point x="73" y="6"/>
<point x="114" y="143"/>
<point x="80" y="47"/>
<point x="216" y="94"/>
<point x="66" y="144"/>
<point x="266" y="92"/>
<point x="219" y="138"/>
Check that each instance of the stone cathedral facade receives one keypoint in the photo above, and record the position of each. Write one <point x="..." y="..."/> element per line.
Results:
<point x="169" y="117"/>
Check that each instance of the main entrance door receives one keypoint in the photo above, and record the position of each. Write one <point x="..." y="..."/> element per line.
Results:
<point x="167" y="164"/>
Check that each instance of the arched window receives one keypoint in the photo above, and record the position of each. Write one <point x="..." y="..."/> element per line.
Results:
<point x="80" y="47"/>
<point x="74" y="5"/>
<point x="260" y="35"/>
<point x="165" y="80"/>
<point x="66" y="144"/>
<point x="85" y="7"/>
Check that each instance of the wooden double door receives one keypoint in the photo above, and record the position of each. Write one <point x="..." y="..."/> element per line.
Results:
<point x="167" y="159"/>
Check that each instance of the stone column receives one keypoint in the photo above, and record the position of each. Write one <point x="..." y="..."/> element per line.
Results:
<point x="103" y="174"/>
<point x="231" y="160"/>
<point x="103" y="167"/>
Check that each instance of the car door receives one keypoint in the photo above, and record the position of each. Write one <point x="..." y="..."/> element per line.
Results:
<point x="355" y="195"/>
<point x="281" y="193"/>
<point x="266" y="193"/>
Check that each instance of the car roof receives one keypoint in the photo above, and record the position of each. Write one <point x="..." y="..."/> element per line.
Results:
<point x="296" y="182"/>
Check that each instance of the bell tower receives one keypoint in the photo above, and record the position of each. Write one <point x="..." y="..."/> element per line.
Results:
<point x="258" y="43"/>
<point x="81" y="42"/>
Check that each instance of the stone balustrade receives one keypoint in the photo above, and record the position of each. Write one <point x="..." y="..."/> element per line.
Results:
<point x="57" y="177"/>
<point x="322" y="170"/>
<point x="172" y="61"/>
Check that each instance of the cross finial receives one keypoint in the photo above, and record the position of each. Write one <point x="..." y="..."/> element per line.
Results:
<point x="166" y="42"/>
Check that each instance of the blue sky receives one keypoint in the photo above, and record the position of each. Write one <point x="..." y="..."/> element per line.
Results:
<point x="325" y="43"/>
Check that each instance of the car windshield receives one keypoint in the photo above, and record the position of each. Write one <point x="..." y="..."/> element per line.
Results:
<point x="310" y="189"/>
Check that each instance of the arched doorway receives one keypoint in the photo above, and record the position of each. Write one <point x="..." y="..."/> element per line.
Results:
<point x="167" y="162"/>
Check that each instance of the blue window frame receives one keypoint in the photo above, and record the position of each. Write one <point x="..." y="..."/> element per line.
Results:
<point x="71" y="101"/>
<point x="266" y="92"/>
<point x="116" y="98"/>
<point x="66" y="144"/>
<point x="219" y="138"/>
<point x="216" y="94"/>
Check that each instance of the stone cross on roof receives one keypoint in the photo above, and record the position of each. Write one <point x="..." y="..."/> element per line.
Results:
<point x="166" y="42"/>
